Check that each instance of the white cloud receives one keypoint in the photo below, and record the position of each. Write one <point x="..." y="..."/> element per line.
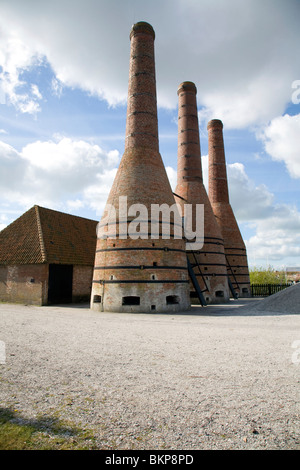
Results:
<point x="78" y="157"/>
<point x="95" y="195"/>
<point x="15" y="57"/>
<point x="281" y="139"/>
<point x="252" y="103"/>
<point x="241" y="55"/>
<point x="12" y="169"/>
<point x="56" y="174"/>
<point x="4" y="220"/>
<point x="276" y="226"/>
<point x="57" y="87"/>
<point x="75" y="204"/>
<point x="172" y="176"/>
<point x="36" y="92"/>
<point x="277" y="239"/>
<point x="250" y="202"/>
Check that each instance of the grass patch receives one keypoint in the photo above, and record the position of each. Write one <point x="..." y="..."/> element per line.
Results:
<point x="13" y="436"/>
<point x="19" y="433"/>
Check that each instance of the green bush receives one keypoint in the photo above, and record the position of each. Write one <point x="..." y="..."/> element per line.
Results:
<point x="260" y="275"/>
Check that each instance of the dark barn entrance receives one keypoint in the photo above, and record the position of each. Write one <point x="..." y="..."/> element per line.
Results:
<point x="60" y="283"/>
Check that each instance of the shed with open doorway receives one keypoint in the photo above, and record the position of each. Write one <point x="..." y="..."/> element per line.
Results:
<point x="47" y="257"/>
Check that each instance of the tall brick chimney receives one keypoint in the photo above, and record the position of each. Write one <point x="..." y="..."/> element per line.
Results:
<point x="235" y="250"/>
<point x="143" y="274"/>
<point x="209" y="263"/>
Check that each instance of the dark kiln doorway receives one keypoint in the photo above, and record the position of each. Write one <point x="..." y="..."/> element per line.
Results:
<point x="60" y="283"/>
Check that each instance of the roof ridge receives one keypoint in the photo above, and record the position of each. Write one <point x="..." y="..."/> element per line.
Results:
<point x="67" y="214"/>
<point x="40" y="233"/>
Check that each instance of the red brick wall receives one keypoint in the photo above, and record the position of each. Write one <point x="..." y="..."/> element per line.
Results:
<point x="82" y="283"/>
<point x="28" y="284"/>
<point x="24" y="284"/>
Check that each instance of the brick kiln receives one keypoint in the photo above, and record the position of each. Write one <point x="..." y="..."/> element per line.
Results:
<point x="208" y="263"/>
<point x="143" y="274"/>
<point x="235" y="250"/>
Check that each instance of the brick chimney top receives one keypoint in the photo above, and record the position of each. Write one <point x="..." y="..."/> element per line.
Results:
<point x="141" y="123"/>
<point x="215" y="123"/>
<point x="187" y="86"/>
<point x="217" y="174"/>
<point x="142" y="27"/>
<point x="189" y="167"/>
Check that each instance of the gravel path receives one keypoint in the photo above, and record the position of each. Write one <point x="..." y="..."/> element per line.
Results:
<point x="223" y="377"/>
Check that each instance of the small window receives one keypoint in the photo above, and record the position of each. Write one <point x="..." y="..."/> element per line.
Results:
<point x="112" y="277"/>
<point x="245" y="290"/>
<point x="172" y="299"/>
<point x="154" y="263"/>
<point x="97" y="299"/>
<point x="131" y="300"/>
<point x="153" y="307"/>
<point x="219" y="293"/>
<point x="153" y="277"/>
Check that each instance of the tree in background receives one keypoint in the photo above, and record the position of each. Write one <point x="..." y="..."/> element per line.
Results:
<point x="260" y="275"/>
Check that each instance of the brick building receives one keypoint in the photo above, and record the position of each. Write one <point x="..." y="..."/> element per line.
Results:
<point x="47" y="257"/>
<point x="144" y="274"/>
<point x="209" y="263"/>
<point x="235" y="249"/>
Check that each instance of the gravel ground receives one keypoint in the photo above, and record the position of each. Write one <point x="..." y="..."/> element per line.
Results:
<point x="219" y="377"/>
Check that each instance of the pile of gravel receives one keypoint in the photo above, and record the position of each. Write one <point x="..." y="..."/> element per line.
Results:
<point x="286" y="301"/>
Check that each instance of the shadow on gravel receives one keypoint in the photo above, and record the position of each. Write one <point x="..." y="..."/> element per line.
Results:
<point x="16" y="431"/>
